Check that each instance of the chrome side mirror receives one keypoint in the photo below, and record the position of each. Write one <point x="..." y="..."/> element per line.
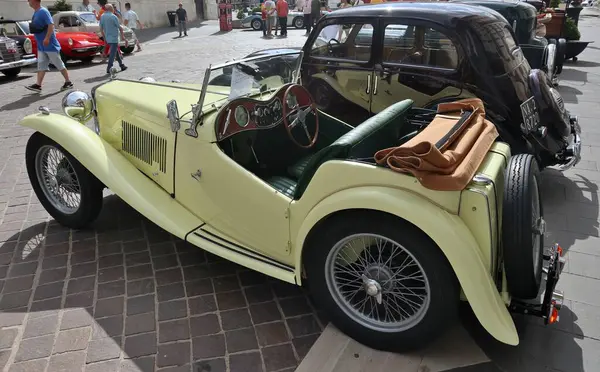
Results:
<point x="173" y="115"/>
<point x="78" y="105"/>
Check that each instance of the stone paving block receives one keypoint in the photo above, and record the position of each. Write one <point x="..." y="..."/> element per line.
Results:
<point x="140" y="323"/>
<point x="76" y="318"/>
<point x="34" y="348"/>
<point x="141" y="304"/>
<point x="140" y="345"/>
<point x="241" y="340"/>
<point x="109" y="306"/>
<point x="7" y="337"/>
<point x="72" y="340"/>
<point x="174" y="330"/>
<point x="29" y="366"/>
<point x="67" y="362"/>
<point x="103" y="349"/>
<point x="279" y="357"/>
<point x="41" y="326"/>
<point x="107" y="366"/>
<point x="211" y="346"/>
<point x="144" y="364"/>
<point x="174" y="354"/>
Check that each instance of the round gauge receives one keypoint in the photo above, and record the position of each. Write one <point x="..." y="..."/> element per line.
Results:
<point x="241" y="116"/>
<point x="276" y="105"/>
<point x="291" y="100"/>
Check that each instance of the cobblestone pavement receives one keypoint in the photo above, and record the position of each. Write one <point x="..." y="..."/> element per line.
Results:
<point x="127" y="296"/>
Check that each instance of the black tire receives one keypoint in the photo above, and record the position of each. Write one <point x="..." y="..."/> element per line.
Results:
<point x="444" y="291"/>
<point x="298" y="22"/>
<point x="127" y="50"/>
<point x="256" y="25"/>
<point x="12" y="72"/>
<point x="91" y="188"/>
<point x="523" y="253"/>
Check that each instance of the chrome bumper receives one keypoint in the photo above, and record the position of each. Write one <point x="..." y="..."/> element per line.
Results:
<point x="573" y="151"/>
<point x="15" y="64"/>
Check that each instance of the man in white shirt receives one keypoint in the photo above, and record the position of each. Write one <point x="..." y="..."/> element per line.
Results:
<point x="307" y="15"/>
<point x="85" y="6"/>
<point x="131" y="20"/>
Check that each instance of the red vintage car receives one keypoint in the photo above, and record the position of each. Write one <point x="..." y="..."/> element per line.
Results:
<point x="81" y="46"/>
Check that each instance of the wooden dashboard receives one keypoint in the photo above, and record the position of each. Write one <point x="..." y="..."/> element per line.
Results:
<point x="245" y="114"/>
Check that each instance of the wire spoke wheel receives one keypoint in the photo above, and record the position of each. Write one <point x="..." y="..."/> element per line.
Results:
<point x="377" y="282"/>
<point x="58" y="179"/>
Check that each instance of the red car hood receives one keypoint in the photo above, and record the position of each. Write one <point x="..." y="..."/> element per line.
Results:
<point x="77" y="35"/>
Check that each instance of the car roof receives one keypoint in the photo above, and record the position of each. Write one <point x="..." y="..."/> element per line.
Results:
<point x="435" y="11"/>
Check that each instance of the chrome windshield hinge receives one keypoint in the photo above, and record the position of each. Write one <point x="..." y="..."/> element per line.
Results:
<point x="192" y="131"/>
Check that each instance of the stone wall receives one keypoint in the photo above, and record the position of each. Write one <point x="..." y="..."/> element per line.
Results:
<point x="152" y="13"/>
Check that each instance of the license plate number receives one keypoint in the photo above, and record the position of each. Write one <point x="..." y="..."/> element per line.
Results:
<point x="531" y="116"/>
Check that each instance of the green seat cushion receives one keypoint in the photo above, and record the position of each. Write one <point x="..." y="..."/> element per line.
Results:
<point x="297" y="169"/>
<point x="284" y="185"/>
<point x="376" y="133"/>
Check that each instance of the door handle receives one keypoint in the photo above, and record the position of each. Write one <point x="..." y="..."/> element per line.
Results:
<point x="368" y="84"/>
<point x="375" y="85"/>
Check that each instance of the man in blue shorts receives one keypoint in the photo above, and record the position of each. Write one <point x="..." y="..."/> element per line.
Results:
<point x="48" y="47"/>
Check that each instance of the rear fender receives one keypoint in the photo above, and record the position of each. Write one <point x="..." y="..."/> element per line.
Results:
<point x="115" y="172"/>
<point x="445" y="229"/>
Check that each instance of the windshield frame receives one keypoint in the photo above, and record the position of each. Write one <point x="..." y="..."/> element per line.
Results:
<point x="80" y="15"/>
<point x="207" y="74"/>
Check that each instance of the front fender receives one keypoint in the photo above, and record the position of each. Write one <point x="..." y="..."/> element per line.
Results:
<point x="445" y="229"/>
<point x="115" y="172"/>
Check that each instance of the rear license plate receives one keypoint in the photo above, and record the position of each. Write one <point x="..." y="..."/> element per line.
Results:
<point x="531" y="116"/>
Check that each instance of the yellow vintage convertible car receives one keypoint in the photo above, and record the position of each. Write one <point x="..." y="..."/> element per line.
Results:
<point x="256" y="174"/>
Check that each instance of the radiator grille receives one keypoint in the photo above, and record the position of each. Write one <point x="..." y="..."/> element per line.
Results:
<point x="144" y="145"/>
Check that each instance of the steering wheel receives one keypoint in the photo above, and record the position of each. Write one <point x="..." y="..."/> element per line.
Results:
<point x="329" y="46"/>
<point x="297" y="104"/>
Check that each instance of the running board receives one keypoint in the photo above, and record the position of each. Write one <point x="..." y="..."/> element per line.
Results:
<point x="233" y="252"/>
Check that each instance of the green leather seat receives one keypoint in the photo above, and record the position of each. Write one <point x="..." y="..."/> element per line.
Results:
<point x="376" y="133"/>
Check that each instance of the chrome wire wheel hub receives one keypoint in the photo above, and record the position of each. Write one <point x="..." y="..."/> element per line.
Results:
<point x="57" y="179"/>
<point x="377" y="283"/>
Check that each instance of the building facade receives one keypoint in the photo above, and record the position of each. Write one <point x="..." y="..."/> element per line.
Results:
<point x="152" y="13"/>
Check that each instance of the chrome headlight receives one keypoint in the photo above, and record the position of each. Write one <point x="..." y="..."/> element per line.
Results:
<point x="27" y="46"/>
<point x="70" y="41"/>
<point x="78" y="105"/>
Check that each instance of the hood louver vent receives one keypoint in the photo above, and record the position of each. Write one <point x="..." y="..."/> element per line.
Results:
<point x="144" y="145"/>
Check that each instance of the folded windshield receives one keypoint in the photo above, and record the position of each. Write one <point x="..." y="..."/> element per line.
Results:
<point x="257" y="77"/>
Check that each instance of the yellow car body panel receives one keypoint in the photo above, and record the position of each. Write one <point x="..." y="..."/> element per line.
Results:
<point x="443" y="225"/>
<point x="115" y="172"/>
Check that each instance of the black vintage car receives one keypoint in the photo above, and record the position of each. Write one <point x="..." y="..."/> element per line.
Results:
<point x="360" y="60"/>
<point x="540" y="52"/>
<point x="15" y="52"/>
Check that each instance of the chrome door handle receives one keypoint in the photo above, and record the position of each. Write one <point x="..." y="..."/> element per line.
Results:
<point x="196" y="175"/>
<point x="368" y="84"/>
<point x="375" y="85"/>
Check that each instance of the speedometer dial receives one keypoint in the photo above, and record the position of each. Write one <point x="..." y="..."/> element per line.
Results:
<point x="241" y="116"/>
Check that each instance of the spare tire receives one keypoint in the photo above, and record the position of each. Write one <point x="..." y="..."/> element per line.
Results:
<point x="523" y="227"/>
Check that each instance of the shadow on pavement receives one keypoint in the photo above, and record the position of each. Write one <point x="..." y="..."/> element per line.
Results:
<point x="7" y="80"/>
<point x="541" y="348"/>
<point x="28" y="99"/>
<point x="576" y="196"/>
<point x="148" y="34"/>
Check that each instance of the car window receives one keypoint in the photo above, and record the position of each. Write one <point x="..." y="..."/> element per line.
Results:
<point x="25" y="27"/>
<point x="344" y="41"/>
<point x="9" y="29"/>
<point x="88" y="17"/>
<point x="418" y="45"/>
<point x="73" y="21"/>
<point x="64" y="22"/>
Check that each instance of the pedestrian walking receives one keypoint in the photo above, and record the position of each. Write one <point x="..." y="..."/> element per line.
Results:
<point x="282" y="12"/>
<point x="276" y="18"/>
<point x="133" y="22"/>
<point x="270" y="8"/>
<point x="307" y="16"/>
<point x="109" y="24"/>
<point x="85" y="6"/>
<point x="315" y="9"/>
<point x="182" y="19"/>
<point x="48" y="47"/>
<point x="263" y="13"/>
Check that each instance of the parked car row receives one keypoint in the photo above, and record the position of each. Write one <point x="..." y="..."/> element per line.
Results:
<point x="78" y="34"/>
<point x="321" y="165"/>
<point x="295" y="18"/>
